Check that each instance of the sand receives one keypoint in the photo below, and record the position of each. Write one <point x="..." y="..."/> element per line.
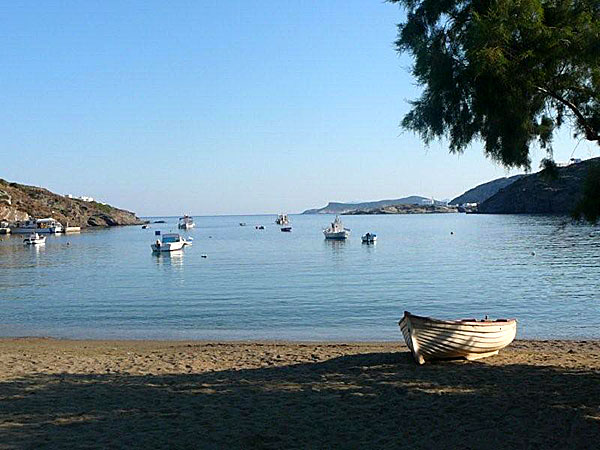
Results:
<point x="214" y="395"/>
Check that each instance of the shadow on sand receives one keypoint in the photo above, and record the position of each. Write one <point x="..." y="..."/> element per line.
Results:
<point x="376" y="400"/>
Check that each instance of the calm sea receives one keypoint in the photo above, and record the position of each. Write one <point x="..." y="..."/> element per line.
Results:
<point x="265" y="284"/>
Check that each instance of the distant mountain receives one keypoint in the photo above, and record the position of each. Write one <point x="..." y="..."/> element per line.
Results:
<point x="343" y="208"/>
<point x="481" y="193"/>
<point x="539" y="194"/>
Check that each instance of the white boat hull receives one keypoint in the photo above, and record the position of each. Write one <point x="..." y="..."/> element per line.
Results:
<point x="167" y="247"/>
<point x="429" y="338"/>
<point x="337" y="235"/>
<point x="38" y="241"/>
<point x="186" y="226"/>
<point x="51" y="230"/>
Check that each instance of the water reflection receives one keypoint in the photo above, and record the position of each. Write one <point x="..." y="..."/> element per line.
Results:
<point x="173" y="259"/>
<point x="334" y="244"/>
<point x="369" y="247"/>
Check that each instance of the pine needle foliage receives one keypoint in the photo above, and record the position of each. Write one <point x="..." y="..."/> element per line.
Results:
<point x="508" y="73"/>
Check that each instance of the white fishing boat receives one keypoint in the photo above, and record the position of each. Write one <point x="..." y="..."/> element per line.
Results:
<point x="471" y="339"/>
<point x="336" y="230"/>
<point x="282" y="219"/>
<point x="186" y="222"/>
<point x="169" y="243"/>
<point x="369" y="238"/>
<point x="45" y="226"/>
<point x="34" y="239"/>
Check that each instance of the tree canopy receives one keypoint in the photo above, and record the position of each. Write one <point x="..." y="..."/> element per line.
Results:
<point x="507" y="72"/>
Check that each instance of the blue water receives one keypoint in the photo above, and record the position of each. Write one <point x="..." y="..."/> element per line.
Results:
<point x="272" y="285"/>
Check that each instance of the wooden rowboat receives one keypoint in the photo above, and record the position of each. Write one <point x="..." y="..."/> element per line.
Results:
<point x="471" y="339"/>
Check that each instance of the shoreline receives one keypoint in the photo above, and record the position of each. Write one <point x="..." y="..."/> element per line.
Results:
<point x="63" y="393"/>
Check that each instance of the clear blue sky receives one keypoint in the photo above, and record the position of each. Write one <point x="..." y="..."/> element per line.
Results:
<point x="219" y="107"/>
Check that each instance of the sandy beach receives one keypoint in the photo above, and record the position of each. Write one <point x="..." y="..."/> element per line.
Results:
<point x="157" y="394"/>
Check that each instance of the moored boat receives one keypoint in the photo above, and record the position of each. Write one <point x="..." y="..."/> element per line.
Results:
<point x="46" y="226"/>
<point x="286" y="229"/>
<point x="369" y="238"/>
<point x="169" y="243"/>
<point x="336" y="230"/>
<point x="282" y="219"/>
<point x="186" y="222"/>
<point x="34" y="239"/>
<point x="471" y="339"/>
<point x="4" y="228"/>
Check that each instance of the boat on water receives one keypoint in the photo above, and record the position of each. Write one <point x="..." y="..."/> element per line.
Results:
<point x="34" y="239"/>
<point x="4" y="228"/>
<point x="471" y="339"/>
<point x="40" y="226"/>
<point x="336" y="230"/>
<point x="186" y="222"/>
<point x="369" y="238"/>
<point x="282" y="219"/>
<point x="286" y="229"/>
<point x="260" y="227"/>
<point x="242" y="224"/>
<point x="170" y="242"/>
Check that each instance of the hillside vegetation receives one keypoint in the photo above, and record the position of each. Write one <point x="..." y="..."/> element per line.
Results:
<point x="18" y="202"/>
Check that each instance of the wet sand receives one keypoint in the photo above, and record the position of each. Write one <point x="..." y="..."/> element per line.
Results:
<point x="214" y="395"/>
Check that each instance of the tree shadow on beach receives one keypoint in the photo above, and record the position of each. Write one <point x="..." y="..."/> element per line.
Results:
<point x="375" y="400"/>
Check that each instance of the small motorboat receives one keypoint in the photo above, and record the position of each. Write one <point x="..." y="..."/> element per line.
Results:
<point x="170" y="242"/>
<point x="336" y="230"/>
<point x="242" y="224"/>
<point x="470" y="339"/>
<point x="260" y="227"/>
<point x="34" y="239"/>
<point x="369" y="238"/>
<point x="186" y="223"/>
<point x="282" y="219"/>
<point x="144" y="227"/>
<point x="286" y="229"/>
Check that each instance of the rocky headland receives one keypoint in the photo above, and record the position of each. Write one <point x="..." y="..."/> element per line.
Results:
<point x="481" y="193"/>
<point x="404" y="209"/>
<point x="542" y="192"/>
<point x="19" y="202"/>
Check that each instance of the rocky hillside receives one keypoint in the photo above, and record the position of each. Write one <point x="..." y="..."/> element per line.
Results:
<point x="540" y="194"/>
<point x="484" y="191"/>
<point x="18" y="202"/>
<point x="404" y="209"/>
<point x="343" y="208"/>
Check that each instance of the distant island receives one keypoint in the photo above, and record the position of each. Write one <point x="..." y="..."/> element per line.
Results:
<point x="19" y="202"/>
<point x="345" y="208"/>
<point x="404" y="209"/>
<point x="537" y="193"/>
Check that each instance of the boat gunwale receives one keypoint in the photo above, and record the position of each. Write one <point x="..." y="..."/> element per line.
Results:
<point x="459" y="321"/>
